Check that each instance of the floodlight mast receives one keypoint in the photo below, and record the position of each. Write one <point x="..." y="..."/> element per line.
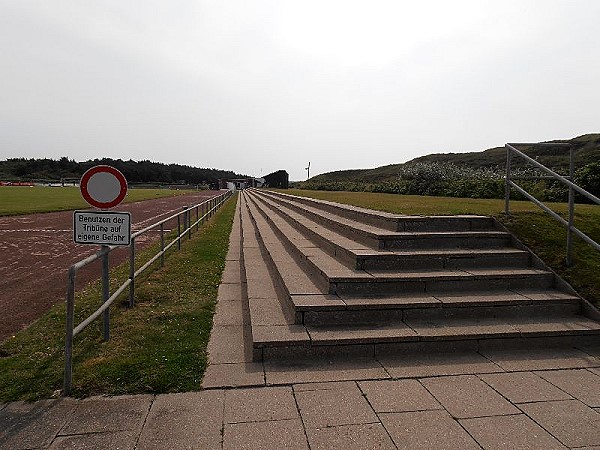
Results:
<point x="308" y="171"/>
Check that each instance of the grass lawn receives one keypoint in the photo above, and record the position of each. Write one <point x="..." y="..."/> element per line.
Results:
<point x="536" y="229"/>
<point x="16" y="200"/>
<point x="158" y="346"/>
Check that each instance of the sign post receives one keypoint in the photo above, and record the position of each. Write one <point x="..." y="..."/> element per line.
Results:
<point x="103" y="187"/>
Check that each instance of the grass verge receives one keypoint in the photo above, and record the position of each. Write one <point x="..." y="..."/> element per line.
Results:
<point x="159" y="346"/>
<point x="16" y="200"/>
<point x="536" y="229"/>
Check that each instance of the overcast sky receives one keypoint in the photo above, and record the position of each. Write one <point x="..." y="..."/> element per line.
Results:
<point x="258" y="86"/>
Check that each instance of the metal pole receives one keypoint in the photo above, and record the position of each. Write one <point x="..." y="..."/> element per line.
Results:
<point x="569" y="258"/>
<point x="68" y="378"/>
<point x="178" y="231"/>
<point x="188" y="214"/>
<point x="132" y="273"/>
<point x="162" y="245"/>
<point x="507" y="181"/>
<point x="105" y="292"/>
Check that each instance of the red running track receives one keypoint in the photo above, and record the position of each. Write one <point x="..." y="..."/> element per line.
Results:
<point x="37" y="250"/>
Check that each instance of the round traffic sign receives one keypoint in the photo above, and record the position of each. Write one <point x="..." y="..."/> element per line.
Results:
<point x="103" y="186"/>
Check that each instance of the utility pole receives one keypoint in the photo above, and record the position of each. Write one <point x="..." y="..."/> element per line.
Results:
<point x="308" y="171"/>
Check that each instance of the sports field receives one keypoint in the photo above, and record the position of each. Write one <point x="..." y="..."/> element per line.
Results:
<point x="17" y="200"/>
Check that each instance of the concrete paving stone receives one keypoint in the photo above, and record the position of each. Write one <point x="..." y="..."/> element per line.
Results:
<point x="280" y="435"/>
<point x="467" y="328"/>
<point x="108" y="414"/>
<point x="544" y="294"/>
<point x="231" y="273"/>
<point x="187" y="420"/>
<point x="119" y="440"/>
<point x="321" y="301"/>
<point x="250" y="240"/>
<point x="552" y="326"/>
<point x="326" y="386"/>
<point x="263" y="289"/>
<point x="398" y="396"/>
<point x="524" y="387"/>
<point x="229" y="345"/>
<point x="427" y="430"/>
<point x="233" y="254"/>
<point x="17" y="414"/>
<point x="260" y="404"/>
<point x="422" y="301"/>
<point x="233" y="375"/>
<point x="280" y="334"/>
<point x="369" y="436"/>
<point x="334" y="268"/>
<point x="278" y="254"/>
<point x="595" y="370"/>
<point x="580" y="383"/>
<point x="323" y="370"/>
<point x="510" y="432"/>
<point x="422" y="275"/>
<point x="466" y="396"/>
<point x="230" y="313"/>
<point x="37" y="427"/>
<point x="252" y="254"/>
<point x="329" y="408"/>
<point x="267" y="311"/>
<point x="437" y="364"/>
<point x="296" y="281"/>
<point x="570" y="421"/>
<point x="256" y="270"/>
<point x="539" y="358"/>
<point x="483" y="297"/>
<point x="361" y="334"/>
<point x="229" y="292"/>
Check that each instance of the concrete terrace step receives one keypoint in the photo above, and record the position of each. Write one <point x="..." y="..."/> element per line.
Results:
<point x="388" y="221"/>
<point x="360" y="255"/>
<point x="340" y="279"/>
<point x="450" y="232"/>
<point x="303" y="301"/>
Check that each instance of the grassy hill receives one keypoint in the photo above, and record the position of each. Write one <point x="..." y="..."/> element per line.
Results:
<point x="587" y="150"/>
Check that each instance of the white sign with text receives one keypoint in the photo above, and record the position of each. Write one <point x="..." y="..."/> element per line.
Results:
<point x="102" y="227"/>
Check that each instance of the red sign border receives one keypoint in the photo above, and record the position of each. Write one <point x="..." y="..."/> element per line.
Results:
<point x="103" y="169"/>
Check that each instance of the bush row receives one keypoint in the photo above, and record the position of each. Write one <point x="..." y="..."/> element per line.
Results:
<point x="449" y="180"/>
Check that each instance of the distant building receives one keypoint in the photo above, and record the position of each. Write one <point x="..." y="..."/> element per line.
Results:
<point x="279" y="179"/>
<point x="237" y="184"/>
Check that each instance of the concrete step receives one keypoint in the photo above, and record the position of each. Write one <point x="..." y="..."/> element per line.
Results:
<point x="365" y="253"/>
<point x="465" y="232"/>
<point x="386" y="221"/>
<point x="305" y="302"/>
<point x="337" y="310"/>
<point x="441" y="258"/>
<point x="339" y="279"/>
<point x="373" y="339"/>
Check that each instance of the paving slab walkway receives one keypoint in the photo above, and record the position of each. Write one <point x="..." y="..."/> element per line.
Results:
<point x="496" y="398"/>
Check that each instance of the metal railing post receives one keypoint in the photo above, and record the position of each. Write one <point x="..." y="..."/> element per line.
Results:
<point x="179" y="231"/>
<point x="68" y="378"/>
<point x="569" y="257"/>
<point x="188" y="214"/>
<point x="162" y="245"/>
<point x="507" y="181"/>
<point x="132" y="273"/>
<point x="105" y="292"/>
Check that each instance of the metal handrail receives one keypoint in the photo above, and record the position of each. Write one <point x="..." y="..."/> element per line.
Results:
<point x="510" y="150"/>
<point x="208" y="208"/>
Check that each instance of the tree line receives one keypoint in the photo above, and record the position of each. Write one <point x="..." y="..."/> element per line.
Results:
<point x="22" y="169"/>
